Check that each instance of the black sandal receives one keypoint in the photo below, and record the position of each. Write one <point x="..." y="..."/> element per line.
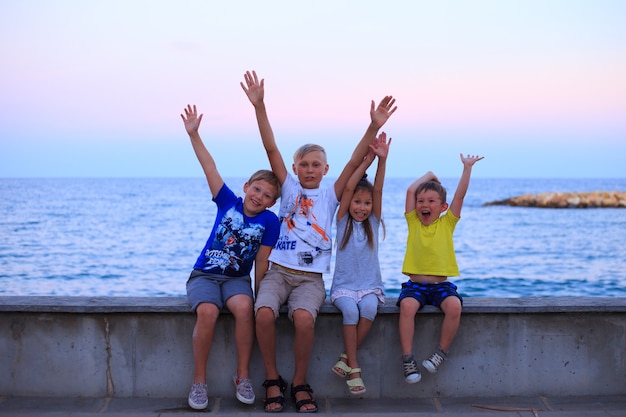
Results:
<point x="306" y="388"/>
<point x="282" y="385"/>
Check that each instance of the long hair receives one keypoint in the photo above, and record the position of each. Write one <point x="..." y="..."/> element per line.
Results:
<point x="363" y="184"/>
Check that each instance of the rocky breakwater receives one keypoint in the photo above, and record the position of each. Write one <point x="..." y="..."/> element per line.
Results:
<point x="592" y="199"/>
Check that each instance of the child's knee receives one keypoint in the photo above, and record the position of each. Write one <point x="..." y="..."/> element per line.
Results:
<point x="207" y="312"/>
<point x="369" y="308"/>
<point x="409" y="306"/>
<point x="349" y="310"/>
<point x="350" y="317"/>
<point x="265" y="316"/>
<point x="452" y="306"/>
<point x="240" y="305"/>
<point x="302" y="319"/>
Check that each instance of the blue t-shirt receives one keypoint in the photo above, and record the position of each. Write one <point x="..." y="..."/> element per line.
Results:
<point x="236" y="238"/>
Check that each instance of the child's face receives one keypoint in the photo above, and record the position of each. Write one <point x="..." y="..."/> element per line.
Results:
<point x="260" y="195"/>
<point x="361" y="205"/>
<point x="429" y="206"/>
<point x="310" y="169"/>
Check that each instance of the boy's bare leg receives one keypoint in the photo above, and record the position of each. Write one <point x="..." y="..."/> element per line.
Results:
<point x="202" y="338"/>
<point x="406" y="323"/>
<point x="451" y="308"/>
<point x="266" y="337"/>
<point x="303" y="346"/>
<point x="242" y="309"/>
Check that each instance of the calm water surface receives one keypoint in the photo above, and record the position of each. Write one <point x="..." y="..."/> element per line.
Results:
<point x="140" y="237"/>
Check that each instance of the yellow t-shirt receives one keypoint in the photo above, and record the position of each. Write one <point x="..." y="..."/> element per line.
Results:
<point x="430" y="249"/>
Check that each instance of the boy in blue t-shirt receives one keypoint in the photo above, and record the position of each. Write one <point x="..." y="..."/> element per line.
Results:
<point x="243" y="235"/>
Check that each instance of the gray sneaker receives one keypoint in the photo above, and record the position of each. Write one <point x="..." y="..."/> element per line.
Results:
<point x="245" y="392"/>
<point x="198" y="399"/>
<point x="411" y="374"/>
<point x="433" y="363"/>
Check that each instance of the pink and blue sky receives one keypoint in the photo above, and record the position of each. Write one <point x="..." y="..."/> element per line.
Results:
<point x="95" y="88"/>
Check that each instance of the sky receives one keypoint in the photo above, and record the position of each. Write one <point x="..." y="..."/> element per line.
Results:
<point x="96" y="88"/>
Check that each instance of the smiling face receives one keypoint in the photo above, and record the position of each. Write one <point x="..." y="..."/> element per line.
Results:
<point x="429" y="206"/>
<point x="361" y="204"/>
<point x="259" y="195"/>
<point x="311" y="168"/>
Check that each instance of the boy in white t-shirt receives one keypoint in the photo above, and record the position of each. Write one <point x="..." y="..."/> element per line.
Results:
<point x="303" y="251"/>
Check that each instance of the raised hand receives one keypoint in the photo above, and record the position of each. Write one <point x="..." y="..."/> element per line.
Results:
<point x="380" y="146"/>
<point x="470" y="160"/>
<point x="254" y="89"/>
<point x="385" y="109"/>
<point x="191" y="119"/>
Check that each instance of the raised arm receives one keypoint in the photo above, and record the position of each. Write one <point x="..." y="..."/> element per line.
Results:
<point x="255" y="90"/>
<point x="410" y="192"/>
<point x="380" y="147"/>
<point x="192" y="124"/>
<point x="461" y="188"/>
<point x="379" y="116"/>
<point x="348" y="191"/>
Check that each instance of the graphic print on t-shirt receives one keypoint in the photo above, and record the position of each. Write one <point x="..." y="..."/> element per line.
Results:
<point x="236" y="243"/>
<point x="302" y="223"/>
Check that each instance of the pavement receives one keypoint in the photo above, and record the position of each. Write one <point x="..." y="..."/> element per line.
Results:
<point x="580" y="406"/>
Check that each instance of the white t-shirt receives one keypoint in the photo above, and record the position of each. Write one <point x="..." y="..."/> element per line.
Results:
<point x="306" y="215"/>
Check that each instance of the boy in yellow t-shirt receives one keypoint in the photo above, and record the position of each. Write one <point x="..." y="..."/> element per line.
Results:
<point x="429" y="261"/>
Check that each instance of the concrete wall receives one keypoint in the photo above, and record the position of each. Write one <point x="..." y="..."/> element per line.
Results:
<point x="141" y="347"/>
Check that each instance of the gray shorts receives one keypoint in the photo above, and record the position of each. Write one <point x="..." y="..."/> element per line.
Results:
<point x="214" y="288"/>
<point x="300" y="290"/>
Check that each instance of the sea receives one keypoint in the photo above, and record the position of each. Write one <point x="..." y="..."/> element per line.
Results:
<point x="141" y="236"/>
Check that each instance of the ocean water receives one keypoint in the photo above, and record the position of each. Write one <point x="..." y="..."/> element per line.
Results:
<point x="141" y="237"/>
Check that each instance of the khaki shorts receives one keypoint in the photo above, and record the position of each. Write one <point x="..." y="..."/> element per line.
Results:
<point x="300" y="290"/>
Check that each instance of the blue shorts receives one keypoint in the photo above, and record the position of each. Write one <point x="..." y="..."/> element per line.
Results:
<point x="215" y="289"/>
<point x="428" y="294"/>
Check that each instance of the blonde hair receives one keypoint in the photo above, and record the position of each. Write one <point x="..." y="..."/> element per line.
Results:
<point x="270" y="177"/>
<point x="307" y="148"/>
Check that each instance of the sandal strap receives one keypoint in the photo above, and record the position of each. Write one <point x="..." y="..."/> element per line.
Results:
<point x="299" y="388"/>
<point x="280" y="400"/>
<point x="341" y="368"/>
<point x="354" y="371"/>
<point x="356" y="382"/>
<point x="280" y="383"/>
<point x="300" y="403"/>
<point x="306" y="388"/>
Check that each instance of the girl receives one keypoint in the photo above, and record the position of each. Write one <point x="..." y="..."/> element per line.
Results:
<point x="357" y="286"/>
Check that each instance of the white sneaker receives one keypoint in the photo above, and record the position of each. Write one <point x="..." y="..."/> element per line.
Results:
<point x="245" y="392"/>
<point x="433" y="363"/>
<point x="198" y="399"/>
<point x="411" y="374"/>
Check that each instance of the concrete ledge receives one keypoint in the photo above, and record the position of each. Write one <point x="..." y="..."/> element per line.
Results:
<point x="105" y="347"/>
<point x="90" y="305"/>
